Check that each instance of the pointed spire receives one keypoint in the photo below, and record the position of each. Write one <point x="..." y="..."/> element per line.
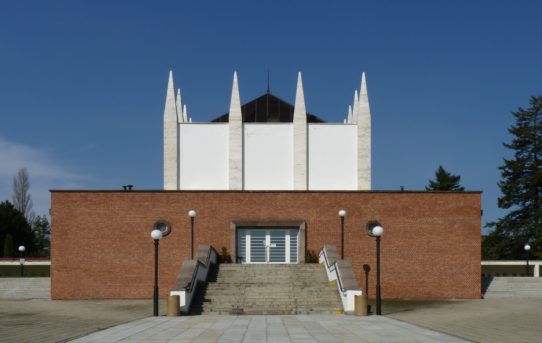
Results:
<point x="170" y="108"/>
<point x="170" y="137"/>
<point x="235" y="127"/>
<point x="363" y="103"/>
<point x="364" y="138"/>
<point x="355" y="107"/>
<point x="178" y="105"/>
<point x="235" y="102"/>
<point x="185" y="115"/>
<point x="300" y="138"/>
<point x="300" y="112"/>
<point x="363" y="88"/>
<point x="349" y="120"/>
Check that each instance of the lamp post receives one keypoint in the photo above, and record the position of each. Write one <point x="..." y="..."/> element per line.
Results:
<point x="22" y="249"/>
<point x="527" y="248"/>
<point x="375" y="230"/>
<point x="342" y="214"/>
<point x="156" y="235"/>
<point x="192" y="215"/>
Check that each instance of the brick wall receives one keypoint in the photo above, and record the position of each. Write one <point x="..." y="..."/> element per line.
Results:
<point x="101" y="245"/>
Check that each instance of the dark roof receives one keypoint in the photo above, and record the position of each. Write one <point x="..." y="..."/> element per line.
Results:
<point x="268" y="108"/>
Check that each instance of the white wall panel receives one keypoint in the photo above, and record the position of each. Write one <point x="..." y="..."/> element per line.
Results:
<point x="203" y="156"/>
<point x="268" y="156"/>
<point x="332" y="157"/>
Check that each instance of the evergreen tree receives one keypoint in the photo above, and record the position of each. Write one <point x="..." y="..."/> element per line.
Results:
<point x="13" y="223"/>
<point x="8" y="246"/>
<point x="444" y="181"/>
<point x="42" y="235"/>
<point x="521" y="188"/>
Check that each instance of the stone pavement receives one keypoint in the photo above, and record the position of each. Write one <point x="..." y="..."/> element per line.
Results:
<point x="272" y="329"/>
<point x="488" y="320"/>
<point x="40" y="320"/>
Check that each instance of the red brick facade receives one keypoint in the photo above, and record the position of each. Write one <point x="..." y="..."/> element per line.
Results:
<point x="101" y="245"/>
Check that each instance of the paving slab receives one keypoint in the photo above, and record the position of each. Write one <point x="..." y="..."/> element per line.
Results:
<point x="484" y="320"/>
<point x="489" y="320"/>
<point x="42" y="320"/>
<point x="269" y="328"/>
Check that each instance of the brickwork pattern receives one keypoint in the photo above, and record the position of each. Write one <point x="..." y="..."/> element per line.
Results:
<point x="101" y="245"/>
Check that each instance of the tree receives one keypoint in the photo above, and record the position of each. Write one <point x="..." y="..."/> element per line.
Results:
<point x="8" y="246"/>
<point x="521" y="188"/>
<point x="21" y="194"/>
<point x="42" y="235"/>
<point x="444" y="181"/>
<point x="13" y="223"/>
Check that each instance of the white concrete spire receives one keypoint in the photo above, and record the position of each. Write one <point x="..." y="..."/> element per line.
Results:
<point x="178" y="105"/>
<point x="185" y="114"/>
<point x="171" y="168"/>
<point x="349" y="120"/>
<point x="364" y="138"/>
<point x="355" y="107"/>
<point x="235" y="123"/>
<point x="300" y="138"/>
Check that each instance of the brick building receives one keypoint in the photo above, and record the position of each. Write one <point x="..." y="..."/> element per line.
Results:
<point x="267" y="182"/>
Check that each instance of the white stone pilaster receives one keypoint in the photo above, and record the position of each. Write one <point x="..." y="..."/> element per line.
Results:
<point x="235" y="152"/>
<point x="300" y="138"/>
<point x="171" y="129"/>
<point x="364" y="138"/>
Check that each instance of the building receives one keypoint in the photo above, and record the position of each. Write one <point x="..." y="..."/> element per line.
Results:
<point x="267" y="182"/>
<point x="267" y="144"/>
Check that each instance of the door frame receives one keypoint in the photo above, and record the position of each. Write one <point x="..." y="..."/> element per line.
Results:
<point x="301" y="244"/>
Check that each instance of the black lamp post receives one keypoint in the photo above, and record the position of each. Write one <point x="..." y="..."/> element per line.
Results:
<point x="156" y="235"/>
<point x="192" y="215"/>
<point x="375" y="230"/>
<point x="22" y="249"/>
<point x="342" y="214"/>
<point x="527" y="248"/>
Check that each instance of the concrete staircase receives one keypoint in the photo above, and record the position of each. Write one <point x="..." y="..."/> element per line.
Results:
<point x="512" y="287"/>
<point x="271" y="289"/>
<point x="25" y="288"/>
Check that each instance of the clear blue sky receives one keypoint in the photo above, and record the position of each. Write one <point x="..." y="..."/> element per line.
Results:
<point x="82" y="83"/>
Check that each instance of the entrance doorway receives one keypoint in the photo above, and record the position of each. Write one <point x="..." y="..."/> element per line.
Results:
<point x="267" y="245"/>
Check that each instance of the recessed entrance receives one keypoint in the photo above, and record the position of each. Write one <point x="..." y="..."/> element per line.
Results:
<point x="268" y="242"/>
<point x="267" y="245"/>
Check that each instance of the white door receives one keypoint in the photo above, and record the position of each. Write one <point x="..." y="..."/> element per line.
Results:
<point x="264" y="245"/>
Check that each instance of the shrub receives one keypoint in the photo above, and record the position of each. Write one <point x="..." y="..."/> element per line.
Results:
<point x="311" y="257"/>
<point x="224" y="256"/>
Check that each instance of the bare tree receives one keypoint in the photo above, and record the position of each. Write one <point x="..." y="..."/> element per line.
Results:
<point x="21" y="194"/>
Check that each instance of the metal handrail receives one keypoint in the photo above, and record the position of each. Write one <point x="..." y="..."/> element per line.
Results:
<point x="190" y="286"/>
<point x="335" y="269"/>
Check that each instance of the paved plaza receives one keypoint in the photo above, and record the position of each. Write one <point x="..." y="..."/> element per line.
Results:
<point x="271" y="329"/>
<point x="489" y="320"/>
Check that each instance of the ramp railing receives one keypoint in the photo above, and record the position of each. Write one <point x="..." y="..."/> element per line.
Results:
<point x="193" y="272"/>
<point x="342" y="273"/>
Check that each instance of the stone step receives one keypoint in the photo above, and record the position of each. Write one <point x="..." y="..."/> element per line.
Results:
<point x="25" y="288"/>
<point x="271" y="289"/>
<point x="513" y="287"/>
